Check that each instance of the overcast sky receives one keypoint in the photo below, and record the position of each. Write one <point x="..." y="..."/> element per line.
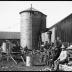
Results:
<point x="10" y="17"/>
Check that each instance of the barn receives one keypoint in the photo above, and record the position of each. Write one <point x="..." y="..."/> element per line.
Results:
<point x="11" y="36"/>
<point x="62" y="29"/>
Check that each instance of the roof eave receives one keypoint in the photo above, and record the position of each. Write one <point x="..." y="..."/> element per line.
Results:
<point x="32" y="11"/>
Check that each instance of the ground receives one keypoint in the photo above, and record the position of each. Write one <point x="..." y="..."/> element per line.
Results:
<point x="11" y="66"/>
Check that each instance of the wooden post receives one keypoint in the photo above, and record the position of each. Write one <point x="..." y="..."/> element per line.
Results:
<point x="22" y="59"/>
<point x="7" y="55"/>
<point x="28" y="60"/>
<point x="13" y="59"/>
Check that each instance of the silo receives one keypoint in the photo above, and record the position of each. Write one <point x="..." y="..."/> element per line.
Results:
<point x="32" y="23"/>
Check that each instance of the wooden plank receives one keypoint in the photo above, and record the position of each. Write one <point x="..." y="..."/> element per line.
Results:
<point x="22" y="59"/>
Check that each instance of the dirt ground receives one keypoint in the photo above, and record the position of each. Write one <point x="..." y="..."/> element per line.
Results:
<point x="11" y="66"/>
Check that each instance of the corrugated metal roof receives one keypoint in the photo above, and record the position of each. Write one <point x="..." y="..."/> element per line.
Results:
<point x="9" y="35"/>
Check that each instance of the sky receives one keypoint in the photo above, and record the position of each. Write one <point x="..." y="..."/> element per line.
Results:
<point x="10" y="17"/>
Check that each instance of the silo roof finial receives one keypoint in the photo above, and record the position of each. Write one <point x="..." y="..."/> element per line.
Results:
<point x="31" y="6"/>
<point x="31" y="9"/>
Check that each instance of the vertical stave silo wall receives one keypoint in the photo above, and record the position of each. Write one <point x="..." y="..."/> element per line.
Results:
<point x="32" y="22"/>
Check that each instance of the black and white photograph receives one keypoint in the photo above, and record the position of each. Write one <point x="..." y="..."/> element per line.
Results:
<point x="35" y="35"/>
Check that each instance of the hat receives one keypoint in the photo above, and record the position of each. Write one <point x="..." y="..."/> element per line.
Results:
<point x="70" y="47"/>
<point x="62" y="46"/>
<point x="42" y="45"/>
<point x="7" y="40"/>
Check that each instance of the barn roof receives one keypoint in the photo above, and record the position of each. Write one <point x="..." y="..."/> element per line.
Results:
<point x="9" y="35"/>
<point x="68" y="17"/>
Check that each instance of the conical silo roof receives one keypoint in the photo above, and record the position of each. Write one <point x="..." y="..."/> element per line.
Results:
<point x="31" y="9"/>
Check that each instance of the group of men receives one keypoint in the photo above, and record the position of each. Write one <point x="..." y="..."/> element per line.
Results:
<point x="49" y="52"/>
<point x="53" y="51"/>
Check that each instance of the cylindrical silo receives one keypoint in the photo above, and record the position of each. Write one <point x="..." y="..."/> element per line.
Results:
<point x="32" y="22"/>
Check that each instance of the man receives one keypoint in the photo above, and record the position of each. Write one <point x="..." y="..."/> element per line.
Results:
<point x="62" y="59"/>
<point x="57" y="49"/>
<point x="47" y="45"/>
<point x="9" y="46"/>
<point x="3" y="47"/>
<point x="58" y="45"/>
<point x="63" y="56"/>
<point x="58" y="42"/>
